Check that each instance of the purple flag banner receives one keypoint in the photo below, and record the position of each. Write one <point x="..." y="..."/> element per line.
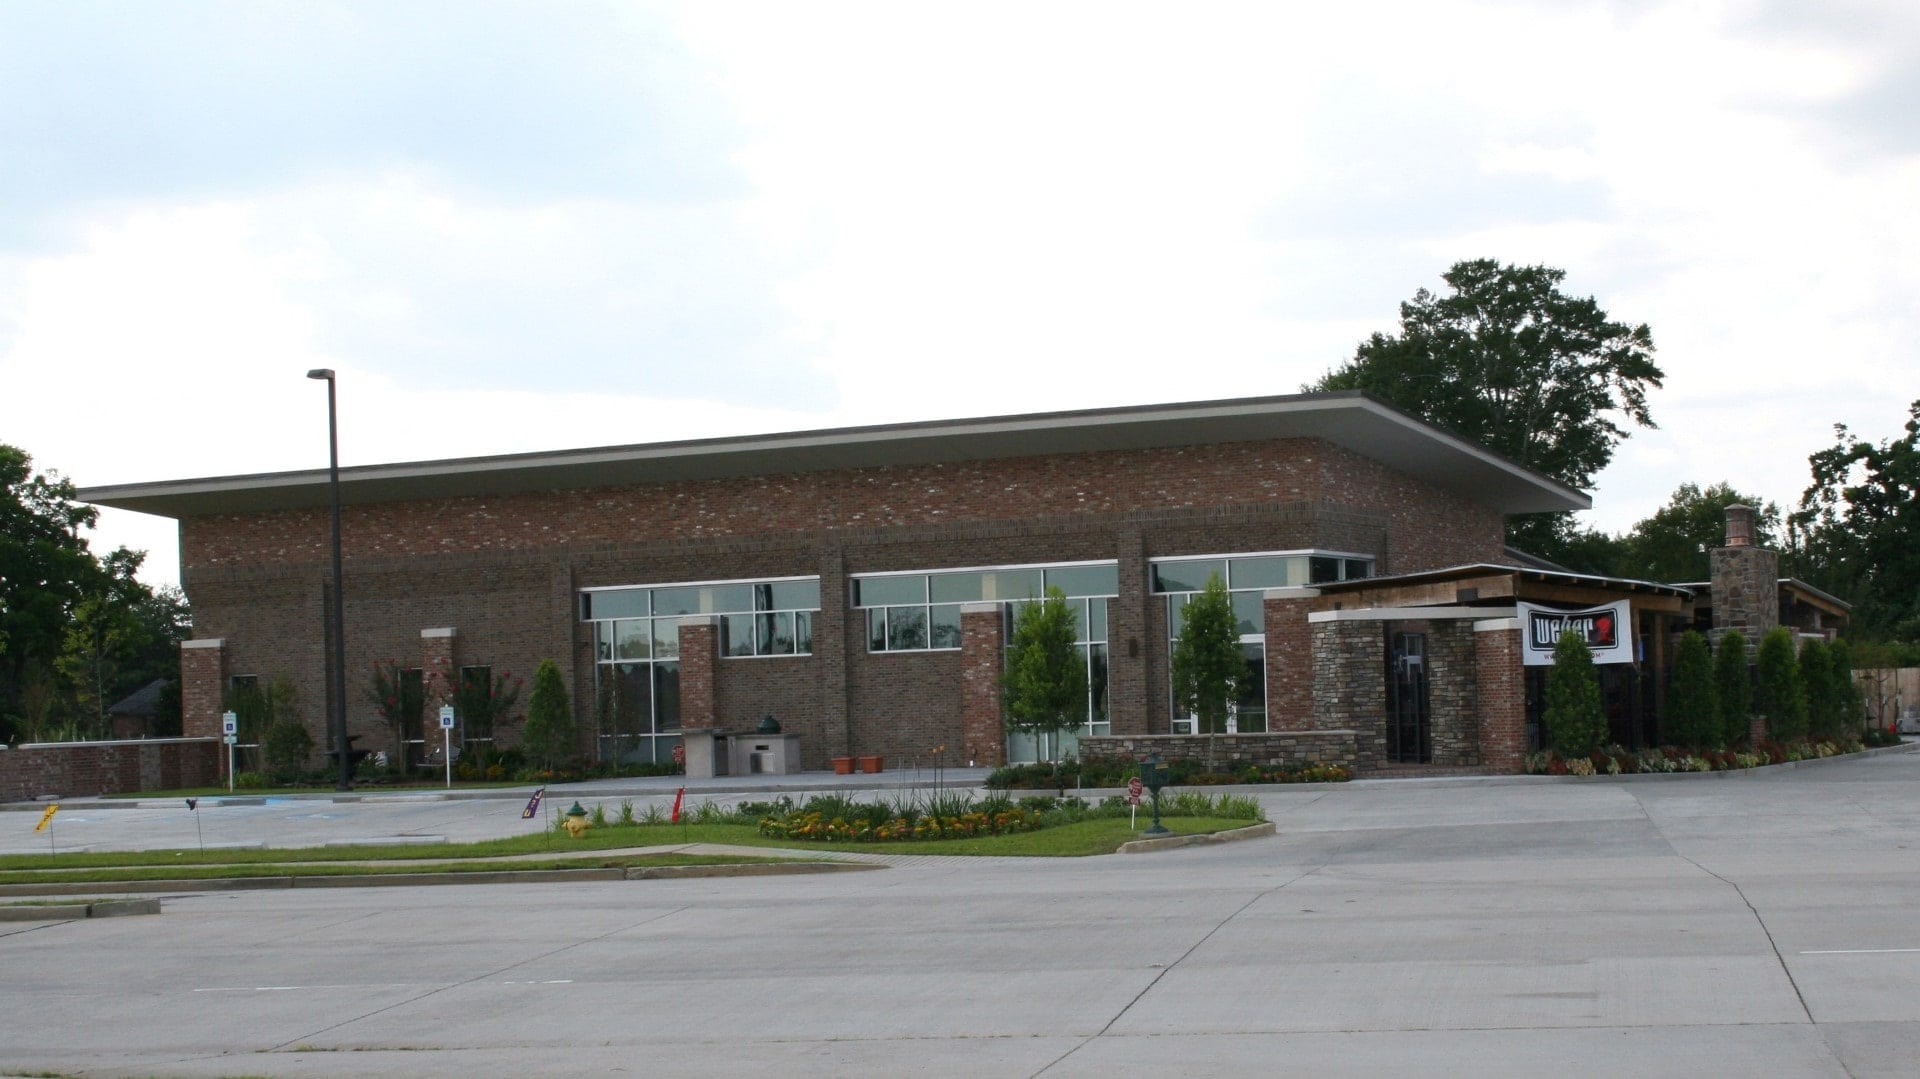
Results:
<point x="533" y="805"/>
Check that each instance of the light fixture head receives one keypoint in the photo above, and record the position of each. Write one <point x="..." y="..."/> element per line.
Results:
<point x="321" y="372"/>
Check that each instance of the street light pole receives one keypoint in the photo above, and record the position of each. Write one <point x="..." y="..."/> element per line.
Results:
<point x="337" y="706"/>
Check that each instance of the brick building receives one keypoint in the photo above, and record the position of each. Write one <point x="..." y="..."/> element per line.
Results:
<point x="857" y="584"/>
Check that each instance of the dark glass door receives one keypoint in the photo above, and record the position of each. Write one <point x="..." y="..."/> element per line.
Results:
<point x="1408" y="737"/>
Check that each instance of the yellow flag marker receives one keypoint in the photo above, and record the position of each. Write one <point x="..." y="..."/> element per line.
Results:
<point x="47" y="816"/>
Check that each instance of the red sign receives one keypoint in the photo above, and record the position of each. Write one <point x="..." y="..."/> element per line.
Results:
<point x="680" y="754"/>
<point x="1133" y="791"/>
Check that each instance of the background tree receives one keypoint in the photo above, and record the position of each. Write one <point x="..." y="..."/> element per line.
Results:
<point x="1673" y="544"/>
<point x="1778" y="694"/>
<point x="1693" y="715"/>
<point x="45" y="570"/>
<point x="1733" y="689"/>
<point x="548" y="736"/>
<point x="1509" y="361"/>
<point x="1207" y="664"/>
<point x="1857" y="531"/>
<point x="1046" y="679"/>
<point x="1816" y="683"/>
<point x="1848" y="704"/>
<point x="1576" y="724"/>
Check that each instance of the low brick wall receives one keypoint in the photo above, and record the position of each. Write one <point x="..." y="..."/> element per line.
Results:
<point x="1229" y="750"/>
<point x="77" y="769"/>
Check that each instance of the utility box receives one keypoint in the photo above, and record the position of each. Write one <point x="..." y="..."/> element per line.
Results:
<point x="764" y="754"/>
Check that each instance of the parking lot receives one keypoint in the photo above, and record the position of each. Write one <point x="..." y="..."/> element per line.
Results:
<point x="1758" y="923"/>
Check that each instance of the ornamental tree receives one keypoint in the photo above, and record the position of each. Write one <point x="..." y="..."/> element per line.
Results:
<point x="548" y="736"/>
<point x="1816" y="678"/>
<point x="1778" y="694"/>
<point x="1693" y="715"/>
<point x="1207" y="665"/>
<point x="1733" y="688"/>
<point x="1046" y="678"/>
<point x="1576" y="724"/>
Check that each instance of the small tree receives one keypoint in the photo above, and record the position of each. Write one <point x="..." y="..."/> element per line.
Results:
<point x="399" y="698"/>
<point x="1848" y="704"/>
<point x="1733" y="688"/>
<point x="1816" y="682"/>
<point x="548" y="735"/>
<point x="286" y="748"/>
<point x="1779" y="696"/>
<point x="1576" y="724"/>
<point x="1046" y="679"/>
<point x="1207" y="664"/>
<point x="1693" y="715"/>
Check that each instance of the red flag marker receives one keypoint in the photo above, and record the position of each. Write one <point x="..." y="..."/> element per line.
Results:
<point x="678" y="796"/>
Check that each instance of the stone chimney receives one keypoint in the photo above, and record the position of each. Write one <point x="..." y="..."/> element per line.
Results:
<point x="1746" y="582"/>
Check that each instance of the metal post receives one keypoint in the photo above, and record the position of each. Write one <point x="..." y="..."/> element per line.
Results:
<point x="338" y="705"/>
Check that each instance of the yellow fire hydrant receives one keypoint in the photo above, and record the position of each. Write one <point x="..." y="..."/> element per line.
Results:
<point x="576" y="822"/>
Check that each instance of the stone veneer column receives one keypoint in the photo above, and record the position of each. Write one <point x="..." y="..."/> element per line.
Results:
<point x="1502" y="691"/>
<point x="1289" y="658"/>
<point x="983" y="739"/>
<point x="699" y="653"/>
<point x="1745" y="582"/>
<point x="1452" y="698"/>
<point x="203" y="686"/>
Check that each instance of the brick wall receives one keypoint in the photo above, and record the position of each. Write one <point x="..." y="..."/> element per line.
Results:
<point x="203" y="687"/>
<point x="1289" y="659"/>
<point x="1502" y="690"/>
<point x="981" y="631"/>
<point x="699" y="654"/>
<point x="82" y="769"/>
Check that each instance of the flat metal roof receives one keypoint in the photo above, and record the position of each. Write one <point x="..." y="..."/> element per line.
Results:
<point x="1350" y="419"/>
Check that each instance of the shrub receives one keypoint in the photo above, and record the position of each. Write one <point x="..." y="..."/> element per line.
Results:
<point x="1733" y="689"/>
<point x="1692" y="712"/>
<point x="548" y="736"/>
<point x="1816" y="681"/>
<point x="1779" y="695"/>
<point x="286" y="746"/>
<point x="1574" y="720"/>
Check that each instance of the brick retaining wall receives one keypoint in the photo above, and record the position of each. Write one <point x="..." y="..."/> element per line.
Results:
<point x="1232" y="751"/>
<point x="78" y="769"/>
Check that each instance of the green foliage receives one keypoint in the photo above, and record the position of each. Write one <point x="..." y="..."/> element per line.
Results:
<point x="286" y="747"/>
<point x="1575" y="722"/>
<point x="1509" y="361"/>
<point x="548" y="735"/>
<point x="1858" y="529"/>
<point x="1844" y="694"/>
<point x="1816" y="683"/>
<point x="1046" y="678"/>
<point x="400" y="698"/>
<point x="1693" y="714"/>
<point x="1207" y="664"/>
<point x="1778" y="694"/>
<point x="481" y="699"/>
<point x="1672" y="545"/>
<point x="1733" y="689"/>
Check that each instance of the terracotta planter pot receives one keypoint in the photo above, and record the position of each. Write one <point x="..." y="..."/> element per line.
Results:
<point x="872" y="764"/>
<point x="843" y="766"/>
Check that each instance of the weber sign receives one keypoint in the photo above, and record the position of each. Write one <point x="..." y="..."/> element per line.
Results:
<point x="1607" y="630"/>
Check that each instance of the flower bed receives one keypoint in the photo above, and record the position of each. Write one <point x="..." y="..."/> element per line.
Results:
<point x="1617" y="760"/>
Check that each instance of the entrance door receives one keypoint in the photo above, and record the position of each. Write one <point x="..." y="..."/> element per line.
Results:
<point x="1408" y="738"/>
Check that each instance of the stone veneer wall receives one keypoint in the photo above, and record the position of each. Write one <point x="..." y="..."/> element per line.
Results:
<point x="79" y="769"/>
<point x="1746" y="593"/>
<point x="1233" y="751"/>
<point x="1350" y="681"/>
<point x="1453" y="710"/>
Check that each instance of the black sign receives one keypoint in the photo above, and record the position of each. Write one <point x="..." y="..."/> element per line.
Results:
<point x="1600" y="629"/>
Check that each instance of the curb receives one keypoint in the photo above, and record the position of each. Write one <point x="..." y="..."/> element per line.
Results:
<point x="396" y="880"/>
<point x="1148" y="846"/>
<point x="66" y="912"/>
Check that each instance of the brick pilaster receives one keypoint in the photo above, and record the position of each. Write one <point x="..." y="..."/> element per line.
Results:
<point x="982" y="734"/>
<point x="203" y="687"/>
<point x="1502" y="694"/>
<point x="1128" y="639"/>
<point x="1289" y="658"/>
<point x="699" y="652"/>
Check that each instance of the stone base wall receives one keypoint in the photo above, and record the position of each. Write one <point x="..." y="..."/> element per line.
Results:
<point x="1453" y="706"/>
<point x="1230" y="751"/>
<point x="80" y="769"/>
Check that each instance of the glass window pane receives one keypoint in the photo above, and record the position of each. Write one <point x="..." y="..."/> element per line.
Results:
<point x="1085" y="580"/>
<point x="955" y="587"/>
<point x="629" y="703"/>
<point x="776" y="634"/>
<point x="666" y="696"/>
<point x="884" y="591"/>
<point x="666" y="638"/>
<point x="1097" y="686"/>
<point x="877" y="629"/>
<point x="1323" y="569"/>
<point x="946" y="626"/>
<point x="1249" y="608"/>
<point x="1004" y="584"/>
<point x="614" y="603"/>
<point x="795" y="595"/>
<point x="736" y="635"/>
<point x="1096" y="620"/>
<point x="676" y="600"/>
<point x="1358" y="568"/>
<point x="1188" y="576"/>
<point x="803" y="633"/>
<point x="630" y="639"/>
<point x="1176" y="611"/>
<point x="727" y="598"/>
<point x="1250" y="711"/>
<point x="603" y="641"/>
<point x="1270" y="571"/>
<point x="906" y="628"/>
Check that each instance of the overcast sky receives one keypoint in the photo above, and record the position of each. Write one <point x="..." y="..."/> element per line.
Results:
<point x="517" y="227"/>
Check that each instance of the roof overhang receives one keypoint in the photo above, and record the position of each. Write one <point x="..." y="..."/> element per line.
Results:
<point x="1349" y="419"/>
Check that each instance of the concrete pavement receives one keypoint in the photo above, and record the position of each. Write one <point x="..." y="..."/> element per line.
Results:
<point x="1761" y="923"/>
